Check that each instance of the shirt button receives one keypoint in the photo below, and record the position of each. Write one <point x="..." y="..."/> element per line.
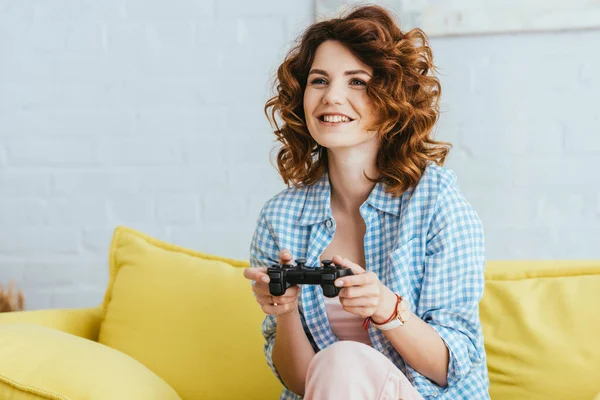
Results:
<point x="328" y="223"/>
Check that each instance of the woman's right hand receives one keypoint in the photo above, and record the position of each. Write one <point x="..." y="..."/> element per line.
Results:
<point x="273" y="305"/>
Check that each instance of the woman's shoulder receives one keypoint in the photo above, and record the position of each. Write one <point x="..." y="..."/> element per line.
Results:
<point x="439" y="188"/>
<point x="437" y="191"/>
<point x="436" y="203"/>
<point x="434" y="181"/>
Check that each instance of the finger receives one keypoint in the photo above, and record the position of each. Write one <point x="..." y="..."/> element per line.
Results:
<point x="285" y="256"/>
<point x="279" y="308"/>
<point x="264" y="299"/>
<point x="358" y="291"/>
<point x="356" y="280"/>
<point x="256" y="274"/>
<point x="282" y="299"/>
<point x="362" y="312"/>
<point x="274" y="301"/>
<point x="267" y="300"/>
<point x="366" y="302"/>
<point x="261" y="288"/>
<point x="291" y="293"/>
<point x="344" y="262"/>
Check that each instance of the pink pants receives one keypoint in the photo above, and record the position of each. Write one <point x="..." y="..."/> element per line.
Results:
<point x="351" y="370"/>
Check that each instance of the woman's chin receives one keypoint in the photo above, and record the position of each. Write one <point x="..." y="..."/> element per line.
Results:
<point x="347" y="142"/>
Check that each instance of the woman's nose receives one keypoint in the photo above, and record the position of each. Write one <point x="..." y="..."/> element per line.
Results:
<point x="334" y="95"/>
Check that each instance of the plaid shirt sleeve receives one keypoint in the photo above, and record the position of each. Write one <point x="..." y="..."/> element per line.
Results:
<point x="263" y="253"/>
<point x="453" y="283"/>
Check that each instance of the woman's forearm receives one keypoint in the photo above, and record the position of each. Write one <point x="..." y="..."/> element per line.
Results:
<point x="292" y="352"/>
<point x="418" y="344"/>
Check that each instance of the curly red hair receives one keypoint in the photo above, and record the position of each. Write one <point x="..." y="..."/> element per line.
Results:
<point x="402" y="90"/>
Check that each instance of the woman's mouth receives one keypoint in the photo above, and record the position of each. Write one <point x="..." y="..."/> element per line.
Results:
<point x="334" y="120"/>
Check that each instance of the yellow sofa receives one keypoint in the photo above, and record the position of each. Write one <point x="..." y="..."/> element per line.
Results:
<point x="179" y="324"/>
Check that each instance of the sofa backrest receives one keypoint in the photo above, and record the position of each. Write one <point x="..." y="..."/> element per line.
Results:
<point x="541" y="326"/>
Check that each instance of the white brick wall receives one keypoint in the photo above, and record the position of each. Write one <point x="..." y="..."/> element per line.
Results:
<point x="135" y="113"/>
<point x="523" y="112"/>
<point x="147" y="115"/>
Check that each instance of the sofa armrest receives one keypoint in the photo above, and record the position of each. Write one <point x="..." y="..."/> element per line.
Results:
<point x="82" y="322"/>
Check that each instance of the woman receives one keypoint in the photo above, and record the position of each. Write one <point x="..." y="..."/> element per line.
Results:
<point x="358" y="103"/>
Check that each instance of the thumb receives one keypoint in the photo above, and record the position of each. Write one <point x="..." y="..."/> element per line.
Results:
<point x="285" y="256"/>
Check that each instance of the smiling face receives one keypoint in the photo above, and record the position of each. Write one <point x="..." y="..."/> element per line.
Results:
<point x="336" y="106"/>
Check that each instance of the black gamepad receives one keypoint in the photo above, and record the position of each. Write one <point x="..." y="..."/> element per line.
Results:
<point x="282" y="276"/>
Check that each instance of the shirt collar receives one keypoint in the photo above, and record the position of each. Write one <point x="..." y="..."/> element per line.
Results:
<point x="317" y="205"/>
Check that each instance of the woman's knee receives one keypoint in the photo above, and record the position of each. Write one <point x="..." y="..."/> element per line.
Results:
<point x="344" y="353"/>
<point x="371" y="371"/>
<point x="348" y="354"/>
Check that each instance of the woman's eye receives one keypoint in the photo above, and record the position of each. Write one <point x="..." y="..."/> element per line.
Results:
<point x="357" y="82"/>
<point x="318" y="81"/>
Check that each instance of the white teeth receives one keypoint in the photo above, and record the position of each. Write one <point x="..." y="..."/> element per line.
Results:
<point x="335" y="118"/>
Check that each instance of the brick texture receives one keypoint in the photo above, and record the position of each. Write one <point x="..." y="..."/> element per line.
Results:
<point x="149" y="115"/>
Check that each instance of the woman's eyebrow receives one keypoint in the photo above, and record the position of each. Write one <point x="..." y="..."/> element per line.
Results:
<point x="351" y="72"/>
<point x="357" y="72"/>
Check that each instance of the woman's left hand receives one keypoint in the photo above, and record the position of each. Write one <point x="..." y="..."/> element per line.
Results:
<point x="363" y="294"/>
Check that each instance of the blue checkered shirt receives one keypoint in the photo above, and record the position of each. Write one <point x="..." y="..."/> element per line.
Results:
<point x="426" y="245"/>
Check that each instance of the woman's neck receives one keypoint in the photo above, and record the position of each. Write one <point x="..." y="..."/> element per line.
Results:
<point x="349" y="186"/>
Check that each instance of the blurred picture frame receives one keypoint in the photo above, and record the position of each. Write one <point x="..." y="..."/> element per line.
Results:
<point x="476" y="17"/>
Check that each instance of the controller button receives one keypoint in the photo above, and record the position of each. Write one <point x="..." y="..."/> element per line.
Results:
<point x="328" y="277"/>
<point x="300" y="262"/>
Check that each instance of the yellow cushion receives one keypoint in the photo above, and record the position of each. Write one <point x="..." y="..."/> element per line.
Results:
<point x="541" y="326"/>
<point x="82" y="322"/>
<point x="190" y="317"/>
<point x="38" y="362"/>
